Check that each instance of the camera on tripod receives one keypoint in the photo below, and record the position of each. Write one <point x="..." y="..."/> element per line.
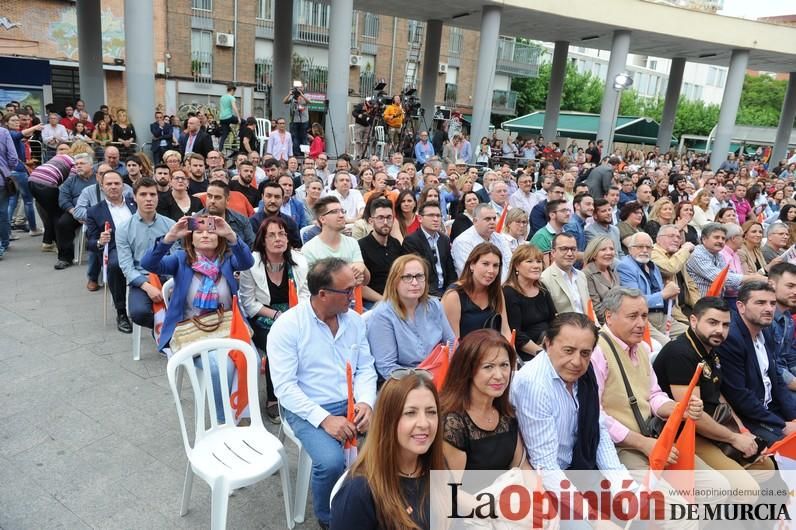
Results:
<point x="410" y="101"/>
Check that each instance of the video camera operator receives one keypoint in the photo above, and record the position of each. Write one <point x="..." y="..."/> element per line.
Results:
<point x="299" y="117"/>
<point x="394" y="118"/>
<point x="364" y="114"/>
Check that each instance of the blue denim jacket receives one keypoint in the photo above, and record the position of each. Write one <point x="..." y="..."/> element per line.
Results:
<point x="781" y="334"/>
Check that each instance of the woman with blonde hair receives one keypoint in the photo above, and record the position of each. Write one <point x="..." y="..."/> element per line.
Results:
<point x="173" y="159"/>
<point x="528" y="304"/>
<point x="407" y="324"/>
<point x="410" y="168"/>
<point x="600" y="273"/>
<point x="751" y="251"/>
<point x="123" y="134"/>
<point x="515" y="228"/>
<point x="661" y="213"/>
<point x="702" y="212"/>
<point x="388" y="487"/>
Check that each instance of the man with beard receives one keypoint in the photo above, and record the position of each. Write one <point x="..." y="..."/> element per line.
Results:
<point x="242" y="182"/>
<point x="163" y="178"/>
<point x="782" y="277"/>
<point x="273" y="197"/>
<point x="750" y="380"/>
<point x="216" y="200"/>
<point x="197" y="182"/>
<point x="379" y="249"/>
<point x="676" y="363"/>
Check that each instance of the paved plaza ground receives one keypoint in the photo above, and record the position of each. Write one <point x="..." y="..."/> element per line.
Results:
<point x="89" y="438"/>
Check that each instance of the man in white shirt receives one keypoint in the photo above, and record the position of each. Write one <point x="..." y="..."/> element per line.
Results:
<point x="498" y="195"/>
<point x="482" y="231"/>
<point x="352" y="200"/>
<point x="280" y="143"/>
<point x="309" y="347"/>
<point x="523" y="198"/>
<point x="396" y="161"/>
<point x="54" y="133"/>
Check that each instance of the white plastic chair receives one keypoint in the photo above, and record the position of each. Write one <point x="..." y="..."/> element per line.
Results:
<point x="303" y="471"/>
<point x="337" y="486"/>
<point x="262" y="131"/>
<point x="224" y="455"/>
<point x="79" y="243"/>
<point x="381" y="142"/>
<point x="168" y="287"/>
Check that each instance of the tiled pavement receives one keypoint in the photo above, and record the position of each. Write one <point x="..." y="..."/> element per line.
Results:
<point x="89" y="438"/>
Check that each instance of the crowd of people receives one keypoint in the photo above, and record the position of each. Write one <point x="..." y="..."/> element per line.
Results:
<point x="544" y="270"/>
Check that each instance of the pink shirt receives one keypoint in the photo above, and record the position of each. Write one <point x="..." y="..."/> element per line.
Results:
<point x="731" y="258"/>
<point x="656" y="397"/>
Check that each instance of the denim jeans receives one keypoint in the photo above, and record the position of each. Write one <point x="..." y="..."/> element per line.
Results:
<point x="328" y="463"/>
<point x="21" y="178"/>
<point x="5" y="225"/>
<point x="298" y="131"/>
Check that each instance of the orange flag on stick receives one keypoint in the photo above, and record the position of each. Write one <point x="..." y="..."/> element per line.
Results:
<point x="647" y="336"/>
<point x="590" y="312"/>
<point x="350" y="446"/>
<point x="513" y="337"/>
<point x="717" y="286"/>
<point x="785" y="447"/>
<point x="660" y="453"/>
<point x="239" y="399"/>
<point x="437" y="362"/>
<point x="502" y="220"/>
<point x="292" y="295"/>
<point x="158" y="308"/>
<point x="358" y="306"/>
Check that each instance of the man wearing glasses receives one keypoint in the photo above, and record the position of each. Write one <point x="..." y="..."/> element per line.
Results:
<point x="331" y="243"/>
<point x="638" y="271"/>
<point x="379" y="249"/>
<point x="671" y="254"/>
<point x="558" y="214"/>
<point x="566" y="284"/>
<point x="431" y="243"/>
<point x="308" y="349"/>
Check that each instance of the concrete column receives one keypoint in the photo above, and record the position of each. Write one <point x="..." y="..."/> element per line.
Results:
<point x="430" y="74"/>
<point x="140" y="67"/>
<point x="554" y="90"/>
<point x="485" y="73"/>
<point x="89" y="48"/>
<point x="670" y="103"/>
<point x="281" y="78"/>
<point x="729" y="107"/>
<point x="785" y="123"/>
<point x="616" y="65"/>
<point x="342" y="17"/>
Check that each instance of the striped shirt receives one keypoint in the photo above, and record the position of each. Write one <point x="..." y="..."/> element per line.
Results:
<point x="548" y="419"/>
<point x="704" y="267"/>
<point x="53" y="173"/>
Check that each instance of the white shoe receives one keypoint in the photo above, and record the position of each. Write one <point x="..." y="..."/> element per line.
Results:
<point x="37" y="232"/>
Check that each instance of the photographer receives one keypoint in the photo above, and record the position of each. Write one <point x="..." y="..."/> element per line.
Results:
<point x="299" y="118"/>
<point x="394" y="118"/>
<point x="363" y="114"/>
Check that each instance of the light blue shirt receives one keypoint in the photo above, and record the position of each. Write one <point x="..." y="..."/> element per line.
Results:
<point x="548" y="417"/>
<point x="399" y="343"/>
<point x="423" y="151"/>
<point x="308" y="363"/>
<point x="133" y="239"/>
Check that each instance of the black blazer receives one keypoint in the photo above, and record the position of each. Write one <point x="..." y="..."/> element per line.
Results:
<point x="416" y="243"/>
<point x="97" y="216"/>
<point x="742" y="385"/>
<point x="202" y="145"/>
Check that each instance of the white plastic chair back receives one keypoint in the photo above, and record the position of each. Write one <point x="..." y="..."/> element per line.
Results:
<point x="381" y="143"/>
<point x="262" y="131"/>
<point x="352" y="137"/>
<point x="168" y="288"/>
<point x="337" y="486"/>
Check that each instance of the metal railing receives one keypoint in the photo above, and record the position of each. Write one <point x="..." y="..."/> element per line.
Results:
<point x="311" y="22"/>
<point x="202" y="67"/>
<point x="315" y="78"/>
<point x="456" y="41"/>
<point x="504" y="102"/>
<point x="311" y="34"/>
<point x="202" y="5"/>
<point x="450" y="94"/>
<point x="517" y="58"/>
<point x="415" y="36"/>
<point x="263" y="72"/>
<point x="367" y="80"/>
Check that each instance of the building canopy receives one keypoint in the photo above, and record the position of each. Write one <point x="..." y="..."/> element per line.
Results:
<point x="583" y="126"/>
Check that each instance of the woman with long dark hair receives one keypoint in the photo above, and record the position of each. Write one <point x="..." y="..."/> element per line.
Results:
<point x="464" y="220"/>
<point x="406" y="213"/>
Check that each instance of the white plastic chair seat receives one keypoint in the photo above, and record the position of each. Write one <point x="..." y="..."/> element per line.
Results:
<point x="303" y="472"/>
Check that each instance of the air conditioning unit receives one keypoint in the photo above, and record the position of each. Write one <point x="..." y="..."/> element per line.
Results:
<point x="355" y="60"/>
<point x="225" y="40"/>
<point x="443" y="68"/>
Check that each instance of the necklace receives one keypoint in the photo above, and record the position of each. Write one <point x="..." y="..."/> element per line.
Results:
<point x="413" y="473"/>
<point x="490" y="416"/>
<point x="275" y="267"/>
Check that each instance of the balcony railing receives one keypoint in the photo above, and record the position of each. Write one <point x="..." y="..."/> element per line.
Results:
<point x="265" y="19"/>
<point x="504" y="102"/>
<point x="311" y="34"/>
<point x="450" y="95"/>
<point x="456" y="41"/>
<point x="517" y="58"/>
<point x="202" y="67"/>
<point x="314" y="78"/>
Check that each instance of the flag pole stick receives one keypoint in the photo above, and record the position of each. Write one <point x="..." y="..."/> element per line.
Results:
<point x="105" y="304"/>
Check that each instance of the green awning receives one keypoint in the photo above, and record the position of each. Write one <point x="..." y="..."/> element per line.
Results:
<point x="583" y="126"/>
<point x="699" y="146"/>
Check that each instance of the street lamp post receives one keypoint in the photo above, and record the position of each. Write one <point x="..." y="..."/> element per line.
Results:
<point x="621" y="82"/>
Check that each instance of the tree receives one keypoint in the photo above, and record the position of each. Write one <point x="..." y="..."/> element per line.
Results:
<point x="581" y="93"/>
<point x="761" y="101"/>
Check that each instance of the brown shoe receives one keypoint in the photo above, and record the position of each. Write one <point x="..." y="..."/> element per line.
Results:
<point x="92" y="286"/>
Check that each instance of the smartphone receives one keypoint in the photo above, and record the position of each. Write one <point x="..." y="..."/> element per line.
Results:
<point x="201" y="223"/>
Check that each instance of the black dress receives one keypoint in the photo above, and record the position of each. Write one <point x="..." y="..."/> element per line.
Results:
<point x="353" y="505"/>
<point x="124" y="133"/>
<point x="484" y="449"/>
<point x="460" y="224"/>
<point x="529" y="316"/>
<point x="473" y="317"/>
<point x="168" y="207"/>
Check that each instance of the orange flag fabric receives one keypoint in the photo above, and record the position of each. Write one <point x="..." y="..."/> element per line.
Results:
<point x="590" y="312"/>
<point x="717" y="286"/>
<point x="785" y="447"/>
<point x="647" y="336"/>
<point x="437" y="362"/>
<point x="358" y="305"/>
<point x="350" y="446"/>
<point x="686" y="448"/>
<point x="660" y="453"/>
<point x="502" y="220"/>
<point x="239" y="399"/>
<point x="292" y="295"/>
<point x="158" y="308"/>
<point x="513" y="337"/>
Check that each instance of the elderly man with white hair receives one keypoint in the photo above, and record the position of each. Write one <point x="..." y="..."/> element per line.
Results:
<point x="499" y="196"/>
<point x="637" y="271"/>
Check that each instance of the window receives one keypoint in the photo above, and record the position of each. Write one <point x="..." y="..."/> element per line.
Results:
<point x="265" y="9"/>
<point x="652" y="64"/>
<point x="415" y="32"/>
<point x="314" y="14"/>
<point x="202" y="5"/>
<point x="716" y="76"/>
<point x="201" y="54"/>
<point x="456" y="40"/>
<point x="371" y="29"/>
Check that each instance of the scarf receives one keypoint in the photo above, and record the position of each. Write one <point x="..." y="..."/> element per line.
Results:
<point x="584" y="453"/>
<point x="206" y="297"/>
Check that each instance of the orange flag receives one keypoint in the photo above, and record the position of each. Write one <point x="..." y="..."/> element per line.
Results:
<point x="686" y="448"/>
<point x="717" y="286"/>
<point x="350" y="446"/>
<point x="358" y="306"/>
<point x="513" y="337"/>
<point x="647" y="336"/>
<point x="158" y="308"/>
<point x="292" y="295"/>
<point x="590" y="312"/>
<point x="785" y="447"/>
<point x="660" y="453"/>
<point x="437" y="362"/>
<point x="239" y="399"/>
<point x="502" y="220"/>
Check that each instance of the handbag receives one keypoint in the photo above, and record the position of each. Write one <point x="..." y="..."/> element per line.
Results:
<point x="651" y="427"/>
<point x="215" y="325"/>
<point x="724" y="417"/>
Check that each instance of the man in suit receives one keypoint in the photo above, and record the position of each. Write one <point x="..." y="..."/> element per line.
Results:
<point x="112" y="212"/>
<point x="638" y="271"/>
<point x="434" y="247"/>
<point x="195" y="140"/>
<point x="751" y="382"/>
<point x="601" y="178"/>
<point x="566" y="284"/>
<point x="488" y="179"/>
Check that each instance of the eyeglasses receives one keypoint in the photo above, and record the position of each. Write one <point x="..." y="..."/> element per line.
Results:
<point x="432" y="215"/>
<point x="400" y="373"/>
<point x="566" y="250"/>
<point x="409" y="278"/>
<point x="179" y="179"/>
<point x="348" y="292"/>
<point x="383" y="218"/>
<point x="336" y="211"/>
<point x="273" y="236"/>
